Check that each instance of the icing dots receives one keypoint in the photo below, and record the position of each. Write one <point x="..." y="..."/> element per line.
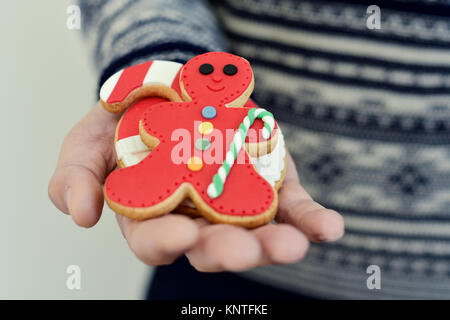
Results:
<point x="209" y="112"/>
<point x="202" y="144"/>
<point x="195" y="164"/>
<point x="205" y="128"/>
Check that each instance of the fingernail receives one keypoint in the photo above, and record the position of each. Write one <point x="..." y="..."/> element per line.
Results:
<point x="67" y="199"/>
<point x="330" y="238"/>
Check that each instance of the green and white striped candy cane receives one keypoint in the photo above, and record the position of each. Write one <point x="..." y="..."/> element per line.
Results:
<point x="215" y="189"/>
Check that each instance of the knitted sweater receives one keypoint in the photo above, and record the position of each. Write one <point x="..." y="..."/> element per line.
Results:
<point x="365" y="113"/>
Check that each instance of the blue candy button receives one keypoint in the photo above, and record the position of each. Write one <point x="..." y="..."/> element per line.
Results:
<point x="209" y="112"/>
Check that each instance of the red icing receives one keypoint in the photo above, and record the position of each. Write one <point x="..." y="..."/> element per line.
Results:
<point x="132" y="77"/>
<point x="156" y="177"/>
<point x="129" y="125"/>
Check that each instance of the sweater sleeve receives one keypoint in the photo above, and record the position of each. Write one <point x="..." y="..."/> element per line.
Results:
<point x="121" y="33"/>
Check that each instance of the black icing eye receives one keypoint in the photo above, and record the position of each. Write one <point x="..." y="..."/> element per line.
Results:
<point x="206" y="68"/>
<point x="230" y="69"/>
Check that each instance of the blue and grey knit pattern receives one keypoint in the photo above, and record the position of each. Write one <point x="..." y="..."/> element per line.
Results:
<point x="121" y="33"/>
<point x="366" y="116"/>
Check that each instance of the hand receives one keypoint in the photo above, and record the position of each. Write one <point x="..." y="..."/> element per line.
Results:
<point x="87" y="157"/>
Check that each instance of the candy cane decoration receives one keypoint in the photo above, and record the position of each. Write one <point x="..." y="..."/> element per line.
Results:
<point x="115" y="92"/>
<point x="130" y="149"/>
<point x="215" y="189"/>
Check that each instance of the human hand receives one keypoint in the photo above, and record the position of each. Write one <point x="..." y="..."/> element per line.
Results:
<point x="86" y="159"/>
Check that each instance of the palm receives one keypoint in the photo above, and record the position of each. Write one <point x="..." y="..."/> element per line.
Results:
<point x="86" y="159"/>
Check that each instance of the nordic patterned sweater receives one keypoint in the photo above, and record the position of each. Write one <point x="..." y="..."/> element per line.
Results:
<point x="365" y="112"/>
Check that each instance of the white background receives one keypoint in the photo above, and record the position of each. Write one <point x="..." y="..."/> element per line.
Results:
<point x="47" y="85"/>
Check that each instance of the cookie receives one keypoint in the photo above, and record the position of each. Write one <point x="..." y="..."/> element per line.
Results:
<point x="191" y="138"/>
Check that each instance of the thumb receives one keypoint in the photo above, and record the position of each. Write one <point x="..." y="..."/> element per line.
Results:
<point x="87" y="156"/>
<point x="75" y="190"/>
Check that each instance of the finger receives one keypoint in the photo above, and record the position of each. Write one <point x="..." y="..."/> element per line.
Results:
<point x="225" y="247"/>
<point x="297" y="208"/>
<point x="86" y="158"/>
<point x="159" y="241"/>
<point x="317" y="222"/>
<point x="281" y="243"/>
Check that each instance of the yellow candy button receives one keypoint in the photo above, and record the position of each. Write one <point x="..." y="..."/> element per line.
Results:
<point x="195" y="164"/>
<point x="205" y="127"/>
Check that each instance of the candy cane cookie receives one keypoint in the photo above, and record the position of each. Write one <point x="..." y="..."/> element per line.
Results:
<point x="206" y="98"/>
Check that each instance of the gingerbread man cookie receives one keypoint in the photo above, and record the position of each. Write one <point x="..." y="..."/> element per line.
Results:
<point x="187" y="139"/>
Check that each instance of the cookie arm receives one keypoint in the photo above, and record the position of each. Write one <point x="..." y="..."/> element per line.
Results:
<point x="215" y="188"/>
<point x="255" y="144"/>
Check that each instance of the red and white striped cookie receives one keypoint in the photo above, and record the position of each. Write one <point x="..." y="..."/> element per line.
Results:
<point x="154" y="78"/>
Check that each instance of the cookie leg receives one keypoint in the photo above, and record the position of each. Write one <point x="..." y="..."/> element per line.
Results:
<point x="247" y="198"/>
<point x="143" y="191"/>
